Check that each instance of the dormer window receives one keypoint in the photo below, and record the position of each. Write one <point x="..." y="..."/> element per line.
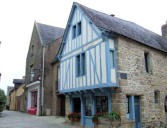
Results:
<point x="76" y="30"/>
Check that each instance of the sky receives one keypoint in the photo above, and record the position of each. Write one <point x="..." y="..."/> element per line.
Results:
<point x="17" y="19"/>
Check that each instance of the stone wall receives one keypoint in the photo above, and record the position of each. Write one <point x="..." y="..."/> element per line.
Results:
<point x="52" y="100"/>
<point x="130" y="60"/>
<point x="34" y="58"/>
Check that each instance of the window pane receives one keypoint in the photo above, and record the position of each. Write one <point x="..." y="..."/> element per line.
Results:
<point x="101" y="104"/>
<point x="74" y="31"/>
<point x="78" y="65"/>
<point x="83" y="63"/>
<point x="112" y="59"/>
<point x="128" y="104"/>
<point x="79" y="28"/>
<point x="88" y="107"/>
<point x="146" y="62"/>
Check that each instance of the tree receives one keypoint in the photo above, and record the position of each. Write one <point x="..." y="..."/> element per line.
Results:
<point x="2" y="100"/>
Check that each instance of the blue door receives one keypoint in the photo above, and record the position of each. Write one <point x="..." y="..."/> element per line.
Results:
<point x="88" y="112"/>
<point x="137" y="112"/>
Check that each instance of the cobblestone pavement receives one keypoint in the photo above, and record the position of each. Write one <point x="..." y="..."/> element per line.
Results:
<point x="12" y="119"/>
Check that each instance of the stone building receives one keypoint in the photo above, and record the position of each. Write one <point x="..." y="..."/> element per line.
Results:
<point x="43" y="48"/>
<point x="14" y="101"/>
<point x="110" y="65"/>
<point x="9" y="88"/>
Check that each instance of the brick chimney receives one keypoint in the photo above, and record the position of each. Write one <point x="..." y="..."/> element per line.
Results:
<point x="164" y="30"/>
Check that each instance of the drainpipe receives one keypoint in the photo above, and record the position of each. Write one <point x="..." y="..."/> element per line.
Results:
<point x="43" y="71"/>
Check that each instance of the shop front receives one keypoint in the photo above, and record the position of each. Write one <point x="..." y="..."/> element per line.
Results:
<point x="88" y="104"/>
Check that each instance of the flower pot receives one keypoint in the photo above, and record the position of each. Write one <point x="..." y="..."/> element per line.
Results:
<point x="95" y="121"/>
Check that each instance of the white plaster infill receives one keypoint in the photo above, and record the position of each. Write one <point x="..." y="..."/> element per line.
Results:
<point x="32" y="84"/>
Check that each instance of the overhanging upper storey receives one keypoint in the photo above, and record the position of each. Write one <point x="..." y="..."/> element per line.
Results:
<point x="87" y="57"/>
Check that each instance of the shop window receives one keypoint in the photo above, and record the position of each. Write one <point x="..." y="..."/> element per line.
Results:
<point x="76" y="105"/>
<point x="34" y="99"/>
<point x="157" y="97"/>
<point x="88" y="106"/>
<point x="101" y="104"/>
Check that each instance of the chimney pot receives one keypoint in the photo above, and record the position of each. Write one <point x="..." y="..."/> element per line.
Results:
<point x="164" y="30"/>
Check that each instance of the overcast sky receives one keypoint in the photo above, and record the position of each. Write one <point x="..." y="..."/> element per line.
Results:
<point x="17" y="19"/>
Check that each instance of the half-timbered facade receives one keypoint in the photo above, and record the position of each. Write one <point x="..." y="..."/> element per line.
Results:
<point x="109" y="64"/>
<point x="88" y="66"/>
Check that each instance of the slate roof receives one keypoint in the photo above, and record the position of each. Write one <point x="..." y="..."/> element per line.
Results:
<point x="49" y="34"/>
<point x="126" y="28"/>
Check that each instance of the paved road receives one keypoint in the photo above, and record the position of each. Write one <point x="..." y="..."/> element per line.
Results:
<point x="12" y="119"/>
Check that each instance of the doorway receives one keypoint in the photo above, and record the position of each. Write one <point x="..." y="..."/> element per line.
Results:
<point x="137" y="112"/>
<point x="77" y="105"/>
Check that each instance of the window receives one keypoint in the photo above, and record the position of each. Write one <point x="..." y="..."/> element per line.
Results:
<point x="146" y="58"/>
<point x="32" y="51"/>
<point x="76" y="30"/>
<point x="129" y="107"/>
<point x="34" y="99"/>
<point x="127" y="104"/>
<point x="88" y="106"/>
<point x="31" y="73"/>
<point x="101" y="104"/>
<point x="80" y="64"/>
<point x="79" y="29"/>
<point x="157" y="97"/>
<point x="112" y="58"/>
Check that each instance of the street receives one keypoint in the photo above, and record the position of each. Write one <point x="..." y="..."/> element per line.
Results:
<point x="12" y="119"/>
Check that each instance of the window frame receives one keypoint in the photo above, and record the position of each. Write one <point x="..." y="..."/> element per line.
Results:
<point x="76" y="30"/>
<point x="79" y="28"/>
<point x="157" y="97"/>
<point x="146" y="62"/>
<point x="81" y="64"/>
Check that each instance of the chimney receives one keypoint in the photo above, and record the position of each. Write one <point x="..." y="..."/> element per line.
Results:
<point x="164" y="30"/>
<point x="112" y="15"/>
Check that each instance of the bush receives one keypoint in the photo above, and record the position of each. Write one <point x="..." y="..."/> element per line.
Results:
<point x="2" y="100"/>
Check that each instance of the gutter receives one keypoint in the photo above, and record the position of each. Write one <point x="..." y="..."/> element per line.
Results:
<point x="43" y="71"/>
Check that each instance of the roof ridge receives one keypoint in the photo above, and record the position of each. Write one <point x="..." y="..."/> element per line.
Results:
<point x="126" y="28"/>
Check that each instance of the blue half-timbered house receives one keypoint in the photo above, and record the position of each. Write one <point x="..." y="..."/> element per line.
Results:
<point x="98" y="51"/>
<point x="87" y="66"/>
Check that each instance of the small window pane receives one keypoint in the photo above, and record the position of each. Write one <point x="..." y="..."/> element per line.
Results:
<point x="79" y="29"/>
<point x="146" y="62"/>
<point x="157" y="97"/>
<point x="101" y="104"/>
<point x="127" y="104"/>
<point x="74" y="31"/>
<point x="112" y="59"/>
<point x="88" y="106"/>
<point x="78" y="65"/>
<point x="83" y="63"/>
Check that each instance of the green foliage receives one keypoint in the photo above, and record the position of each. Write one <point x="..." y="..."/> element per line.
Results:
<point x="113" y="115"/>
<point x="74" y="116"/>
<point x="2" y="100"/>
